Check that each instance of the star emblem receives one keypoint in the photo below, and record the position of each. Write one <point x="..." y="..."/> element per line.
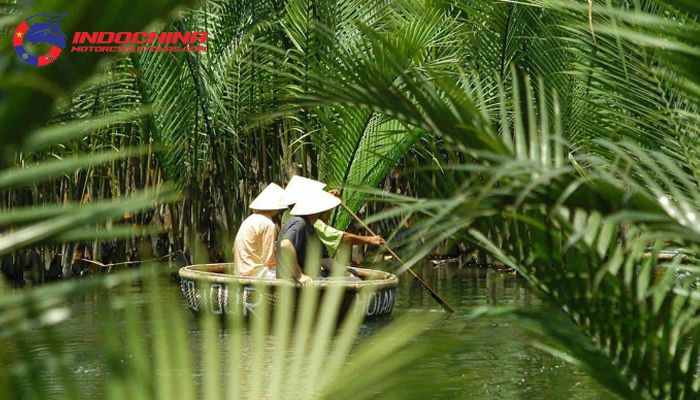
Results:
<point x="19" y="34"/>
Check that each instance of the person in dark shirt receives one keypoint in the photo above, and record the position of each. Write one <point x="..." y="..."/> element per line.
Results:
<point x="298" y="232"/>
<point x="331" y="238"/>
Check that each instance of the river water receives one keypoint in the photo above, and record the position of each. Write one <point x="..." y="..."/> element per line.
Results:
<point x="487" y="358"/>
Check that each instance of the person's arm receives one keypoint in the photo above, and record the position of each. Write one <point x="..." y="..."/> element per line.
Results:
<point x="351" y="238"/>
<point x="289" y="257"/>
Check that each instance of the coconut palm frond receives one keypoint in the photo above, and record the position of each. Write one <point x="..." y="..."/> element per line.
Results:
<point x="587" y="233"/>
<point x="604" y="276"/>
<point x="590" y="242"/>
<point x="383" y="143"/>
<point x="635" y="95"/>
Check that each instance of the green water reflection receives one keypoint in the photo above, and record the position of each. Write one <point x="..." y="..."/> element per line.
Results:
<point x="490" y="358"/>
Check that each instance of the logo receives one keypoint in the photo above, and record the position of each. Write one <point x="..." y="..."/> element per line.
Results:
<point x="41" y="34"/>
<point x="139" y="42"/>
<point x="37" y="32"/>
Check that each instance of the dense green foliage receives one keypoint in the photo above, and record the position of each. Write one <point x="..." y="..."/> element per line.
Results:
<point x="576" y="180"/>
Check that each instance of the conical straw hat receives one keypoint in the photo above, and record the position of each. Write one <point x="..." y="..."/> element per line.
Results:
<point x="269" y="199"/>
<point x="314" y="202"/>
<point x="299" y="185"/>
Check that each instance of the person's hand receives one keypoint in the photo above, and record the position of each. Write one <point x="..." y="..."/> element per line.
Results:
<point x="335" y="192"/>
<point x="376" y="240"/>
<point x="305" y="280"/>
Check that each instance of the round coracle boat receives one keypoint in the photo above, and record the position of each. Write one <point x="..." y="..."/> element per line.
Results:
<point x="210" y="288"/>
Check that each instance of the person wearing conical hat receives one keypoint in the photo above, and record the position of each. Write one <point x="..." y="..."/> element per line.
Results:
<point x="296" y="187"/>
<point x="254" y="247"/>
<point x="298" y="233"/>
<point x="331" y="238"/>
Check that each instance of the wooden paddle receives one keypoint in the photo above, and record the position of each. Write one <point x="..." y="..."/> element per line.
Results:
<point x="430" y="290"/>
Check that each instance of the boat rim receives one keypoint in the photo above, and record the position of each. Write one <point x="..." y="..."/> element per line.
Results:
<point x="197" y="272"/>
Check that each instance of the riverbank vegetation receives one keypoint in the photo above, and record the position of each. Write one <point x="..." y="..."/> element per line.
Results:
<point x="558" y="138"/>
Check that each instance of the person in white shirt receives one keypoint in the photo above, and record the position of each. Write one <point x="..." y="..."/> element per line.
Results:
<point x="254" y="247"/>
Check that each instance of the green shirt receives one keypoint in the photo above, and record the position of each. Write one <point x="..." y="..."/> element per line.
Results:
<point x="329" y="236"/>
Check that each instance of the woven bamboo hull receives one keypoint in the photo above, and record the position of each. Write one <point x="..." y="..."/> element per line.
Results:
<point x="208" y="288"/>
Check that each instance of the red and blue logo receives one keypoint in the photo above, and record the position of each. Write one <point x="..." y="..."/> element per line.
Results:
<point x="40" y="30"/>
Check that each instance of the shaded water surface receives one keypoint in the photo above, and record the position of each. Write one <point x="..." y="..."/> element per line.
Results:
<point x="488" y="358"/>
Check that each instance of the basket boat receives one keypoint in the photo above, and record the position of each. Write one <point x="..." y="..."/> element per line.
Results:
<point x="209" y="288"/>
